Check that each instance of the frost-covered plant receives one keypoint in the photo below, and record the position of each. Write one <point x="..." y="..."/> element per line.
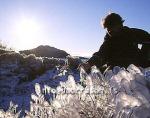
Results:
<point x="90" y="100"/>
<point x="11" y="112"/>
<point x="73" y="62"/>
<point x="120" y="93"/>
<point x="2" y="45"/>
<point x="30" y="57"/>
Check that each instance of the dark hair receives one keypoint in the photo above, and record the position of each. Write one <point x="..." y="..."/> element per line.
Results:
<point x="111" y="20"/>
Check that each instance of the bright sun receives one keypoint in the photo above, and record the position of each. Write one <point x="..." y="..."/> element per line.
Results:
<point x="26" y="34"/>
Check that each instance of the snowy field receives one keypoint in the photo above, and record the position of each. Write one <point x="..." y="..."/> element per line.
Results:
<point x="68" y="93"/>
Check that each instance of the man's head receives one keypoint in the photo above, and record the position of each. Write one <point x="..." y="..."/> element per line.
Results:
<point x="112" y="23"/>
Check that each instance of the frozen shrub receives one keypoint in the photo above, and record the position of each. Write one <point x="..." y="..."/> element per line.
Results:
<point x="11" y="58"/>
<point x="11" y="112"/>
<point x="73" y="62"/>
<point x="123" y="94"/>
<point x="49" y="63"/>
<point x="131" y="93"/>
<point x="30" y="58"/>
<point x="33" y="66"/>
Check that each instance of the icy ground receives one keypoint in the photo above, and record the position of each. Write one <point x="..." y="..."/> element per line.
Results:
<point x="120" y="93"/>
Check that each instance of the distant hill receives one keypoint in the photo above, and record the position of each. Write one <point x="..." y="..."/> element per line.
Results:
<point x="46" y="51"/>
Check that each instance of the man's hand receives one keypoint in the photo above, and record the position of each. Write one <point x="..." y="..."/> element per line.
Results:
<point x="86" y="66"/>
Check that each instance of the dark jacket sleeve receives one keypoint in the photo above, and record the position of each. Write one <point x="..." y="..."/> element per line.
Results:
<point x="99" y="58"/>
<point x="143" y="37"/>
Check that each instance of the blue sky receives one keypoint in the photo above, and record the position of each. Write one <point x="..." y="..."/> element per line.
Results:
<point x="70" y="25"/>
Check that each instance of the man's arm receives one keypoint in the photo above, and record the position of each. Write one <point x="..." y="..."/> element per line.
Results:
<point x="143" y="37"/>
<point x="99" y="58"/>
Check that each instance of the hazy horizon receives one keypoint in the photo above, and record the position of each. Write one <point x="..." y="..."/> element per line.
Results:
<point x="69" y="25"/>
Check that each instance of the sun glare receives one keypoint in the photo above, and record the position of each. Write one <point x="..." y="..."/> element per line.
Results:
<point x="26" y="34"/>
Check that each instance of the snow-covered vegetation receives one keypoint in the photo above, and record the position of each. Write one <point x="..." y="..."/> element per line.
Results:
<point x="58" y="91"/>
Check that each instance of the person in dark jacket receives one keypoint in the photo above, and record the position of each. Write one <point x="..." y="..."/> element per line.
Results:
<point x="120" y="46"/>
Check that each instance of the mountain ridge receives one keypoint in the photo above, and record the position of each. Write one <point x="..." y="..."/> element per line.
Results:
<point x="46" y="51"/>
